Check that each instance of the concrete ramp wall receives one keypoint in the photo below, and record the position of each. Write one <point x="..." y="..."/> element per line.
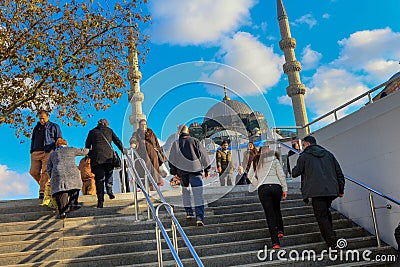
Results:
<point x="367" y="145"/>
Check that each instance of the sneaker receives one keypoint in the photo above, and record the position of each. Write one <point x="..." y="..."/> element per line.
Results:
<point x="276" y="246"/>
<point x="100" y="205"/>
<point x="199" y="223"/>
<point x="111" y="195"/>
<point x="189" y="216"/>
<point x="41" y="195"/>
<point x="280" y="235"/>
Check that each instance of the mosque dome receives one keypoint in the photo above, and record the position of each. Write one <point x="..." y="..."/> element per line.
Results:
<point x="226" y="108"/>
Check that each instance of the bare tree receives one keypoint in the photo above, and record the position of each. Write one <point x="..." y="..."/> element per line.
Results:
<point x="65" y="57"/>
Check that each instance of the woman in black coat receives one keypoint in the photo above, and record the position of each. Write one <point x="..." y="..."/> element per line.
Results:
<point x="101" y="155"/>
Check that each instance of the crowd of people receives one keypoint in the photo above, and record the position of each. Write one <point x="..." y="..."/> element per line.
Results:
<point x="53" y="166"/>
<point x="53" y="163"/>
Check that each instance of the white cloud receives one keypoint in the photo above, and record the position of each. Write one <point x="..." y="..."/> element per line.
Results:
<point x="263" y="27"/>
<point x="14" y="185"/>
<point x="366" y="59"/>
<point x="306" y="19"/>
<point x="372" y="51"/>
<point x="330" y="88"/>
<point x="326" y="16"/>
<point x="310" y="58"/>
<point x="285" y="100"/>
<point x="197" y="22"/>
<point x="247" y="54"/>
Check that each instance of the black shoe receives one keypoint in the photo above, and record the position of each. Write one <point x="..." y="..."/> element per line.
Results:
<point x="41" y="195"/>
<point x="100" y="205"/>
<point x="74" y="207"/>
<point x="111" y="195"/>
<point x="63" y="215"/>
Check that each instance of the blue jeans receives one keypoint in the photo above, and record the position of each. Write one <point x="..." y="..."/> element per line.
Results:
<point x="194" y="180"/>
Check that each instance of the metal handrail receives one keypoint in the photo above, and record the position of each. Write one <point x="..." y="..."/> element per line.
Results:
<point x="158" y="236"/>
<point x="355" y="181"/>
<point x="368" y="93"/>
<point x="175" y="222"/>
<point x="334" y="111"/>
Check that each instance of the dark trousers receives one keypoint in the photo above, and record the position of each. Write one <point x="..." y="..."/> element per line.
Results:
<point x="127" y="181"/>
<point x="103" y="176"/>
<point x="397" y="237"/>
<point x="321" y="206"/>
<point x="225" y="176"/>
<point x="65" y="199"/>
<point x="270" y="196"/>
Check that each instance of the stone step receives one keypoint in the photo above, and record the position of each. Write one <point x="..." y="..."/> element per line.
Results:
<point x="204" y="251"/>
<point x="95" y="227"/>
<point x="237" y="208"/>
<point x="235" y="231"/>
<point x="199" y="235"/>
<point x="249" y="199"/>
<point x="122" y="207"/>
<point x="104" y="216"/>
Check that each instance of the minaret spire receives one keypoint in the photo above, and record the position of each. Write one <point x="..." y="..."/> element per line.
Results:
<point x="292" y="67"/>
<point x="226" y="97"/>
<point x="135" y="97"/>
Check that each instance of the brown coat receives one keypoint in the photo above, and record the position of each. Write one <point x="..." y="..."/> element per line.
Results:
<point x="250" y="157"/>
<point x="85" y="169"/>
<point x="146" y="145"/>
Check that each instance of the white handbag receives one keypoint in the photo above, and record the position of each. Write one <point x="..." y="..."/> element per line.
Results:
<point x="164" y="171"/>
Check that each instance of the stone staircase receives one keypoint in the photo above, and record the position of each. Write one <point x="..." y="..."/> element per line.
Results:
<point x="234" y="234"/>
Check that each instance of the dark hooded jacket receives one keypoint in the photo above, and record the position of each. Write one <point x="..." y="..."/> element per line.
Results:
<point x="188" y="155"/>
<point x="320" y="172"/>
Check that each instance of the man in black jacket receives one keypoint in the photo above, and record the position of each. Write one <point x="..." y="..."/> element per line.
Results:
<point x="187" y="161"/>
<point x="322" y="180"/>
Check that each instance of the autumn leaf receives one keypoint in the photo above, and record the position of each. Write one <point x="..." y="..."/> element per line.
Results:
<point x="70" y="59"/>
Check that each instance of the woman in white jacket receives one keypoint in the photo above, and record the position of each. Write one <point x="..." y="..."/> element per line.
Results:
<point x="270" y="182"/>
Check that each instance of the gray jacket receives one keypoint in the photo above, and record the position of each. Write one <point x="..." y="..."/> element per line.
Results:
<point x="62" y="169"/>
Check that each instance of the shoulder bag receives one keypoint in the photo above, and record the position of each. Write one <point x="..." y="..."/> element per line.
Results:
<point x="116" y="160"/>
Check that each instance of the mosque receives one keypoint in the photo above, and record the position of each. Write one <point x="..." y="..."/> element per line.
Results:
<point x="232" y="119"/>
<point x="229" y="119"/>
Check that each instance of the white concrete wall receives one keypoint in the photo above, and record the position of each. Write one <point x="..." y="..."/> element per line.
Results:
<point x="367" y="145"/>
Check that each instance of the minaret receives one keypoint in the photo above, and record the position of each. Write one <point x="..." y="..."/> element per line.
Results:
<point x="292" y="67"/>
<point x="226" y="97"/>
<point x="135" y="97"/>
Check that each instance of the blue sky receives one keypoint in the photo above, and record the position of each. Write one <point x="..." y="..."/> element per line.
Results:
<point x="345" y="47"/>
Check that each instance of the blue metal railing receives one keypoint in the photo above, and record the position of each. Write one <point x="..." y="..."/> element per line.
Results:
<point x="172" y="245"/>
